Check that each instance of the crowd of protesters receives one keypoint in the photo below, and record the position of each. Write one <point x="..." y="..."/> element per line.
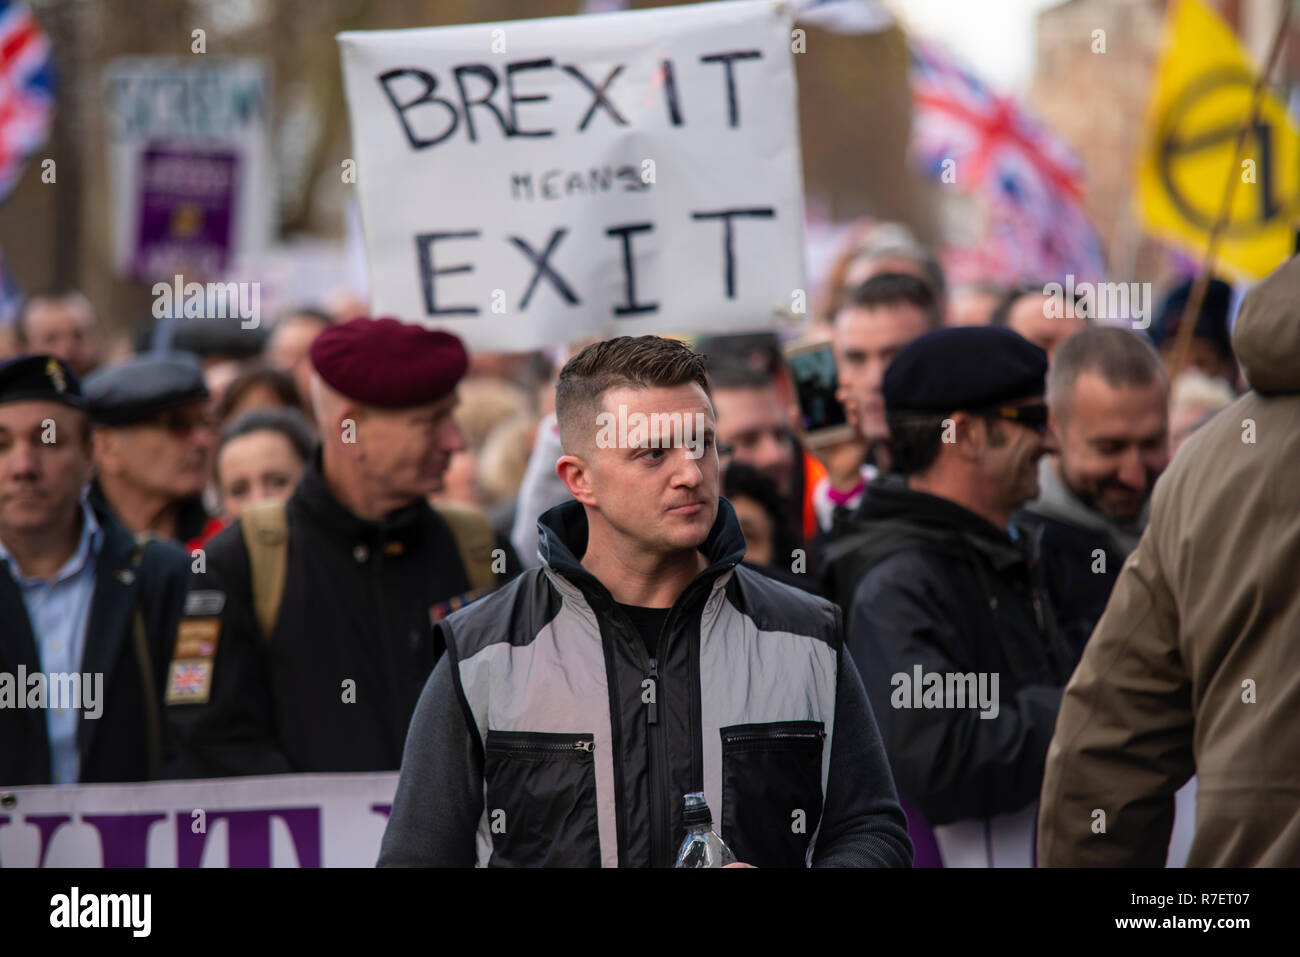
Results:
<point x="264" y="539"/>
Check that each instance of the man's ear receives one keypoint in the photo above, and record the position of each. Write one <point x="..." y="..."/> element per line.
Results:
<point x="575" y="473"/>
<point x="103" y="450"/>
<point x="970" y="435"/>
<point x="347" y="420"/>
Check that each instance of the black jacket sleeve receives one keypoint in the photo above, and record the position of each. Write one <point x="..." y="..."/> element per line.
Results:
<point x="440" y="790"/>
<point x="233" y="732"/>
<point x="951" y="762"/>
<point x="862" y="823"/>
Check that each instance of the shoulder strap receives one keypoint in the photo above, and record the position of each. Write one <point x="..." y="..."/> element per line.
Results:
<point x="144" y="660"/>
<point x="475" y="541"/>
<point x="266" y="537"/>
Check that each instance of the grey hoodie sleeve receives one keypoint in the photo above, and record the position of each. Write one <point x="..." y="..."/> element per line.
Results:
<point x="863" y="824"/>
<point x="440" y="790"/>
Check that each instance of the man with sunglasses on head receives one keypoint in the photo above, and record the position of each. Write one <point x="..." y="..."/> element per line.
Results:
<point x="154" y="442"/>
<point x="950" y="624"/>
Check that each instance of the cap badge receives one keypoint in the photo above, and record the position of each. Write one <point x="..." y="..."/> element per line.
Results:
<point x="54" y="373"/>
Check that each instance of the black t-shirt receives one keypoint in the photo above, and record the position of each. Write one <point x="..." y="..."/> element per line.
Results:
<point x="648" y="621"/>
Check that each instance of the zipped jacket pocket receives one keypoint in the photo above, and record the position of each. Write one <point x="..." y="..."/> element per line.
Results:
<point x="772" y="790"/>
<point x="541" y="799"/>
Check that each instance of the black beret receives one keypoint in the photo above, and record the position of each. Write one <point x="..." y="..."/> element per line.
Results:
<point x="964" y="368"/>
<point x="387" y="363"/>
<point x="1211" y="322"/>
<point x="134" y="390"/>
<point x="39" y="377"/>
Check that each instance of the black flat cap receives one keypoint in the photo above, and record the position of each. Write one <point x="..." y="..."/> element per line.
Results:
<point x="135" y="390"/>
<point x="39" y="377"/>
<point x="217" y="337"/>
<point x="964" y="368"/>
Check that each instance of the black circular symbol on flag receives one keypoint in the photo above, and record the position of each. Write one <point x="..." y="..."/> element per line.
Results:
<point x="1176" y="141"/>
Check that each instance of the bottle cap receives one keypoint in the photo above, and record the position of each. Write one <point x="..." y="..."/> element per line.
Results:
<point x="695" y="810"/>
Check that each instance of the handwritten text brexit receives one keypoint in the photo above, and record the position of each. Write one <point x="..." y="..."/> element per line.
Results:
<point x="428" y="119"/>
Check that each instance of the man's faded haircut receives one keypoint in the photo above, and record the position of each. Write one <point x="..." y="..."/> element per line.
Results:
<point x="1120" y="356"/>
<point x="638" y="362"/>
<point x="895" y="289"/>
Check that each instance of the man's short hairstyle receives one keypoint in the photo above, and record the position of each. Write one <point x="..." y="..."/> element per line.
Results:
<point x="54" y="295"/>
<point x="290" y="423"/>
<point x="1120" y="356"/>
<point x="1001" y="313"/>
<point x="893" y="289"/>
<point x="639" y="362"/>
<point x="914" y="441"/>
<point x="724" y="378"/>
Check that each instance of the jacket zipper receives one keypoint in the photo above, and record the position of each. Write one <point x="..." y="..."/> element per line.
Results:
<point x="588" y="746"/>
<point x="652" y="713"/>
<point x="736" y="737"/>
<point x="661" y="835"/>
<point x="660" y="821"/>
<point x="544" y="747"/>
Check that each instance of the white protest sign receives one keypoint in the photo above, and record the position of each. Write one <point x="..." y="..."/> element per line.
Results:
<point x="533" y="182"/>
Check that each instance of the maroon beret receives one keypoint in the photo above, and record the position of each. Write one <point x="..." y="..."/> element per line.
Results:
<point x="387" y="363"/>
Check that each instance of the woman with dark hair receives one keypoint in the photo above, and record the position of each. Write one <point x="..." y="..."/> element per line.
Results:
<point x="259" y="387"/>
<point x="261" y="456"/>
<point x="769" y="545"/>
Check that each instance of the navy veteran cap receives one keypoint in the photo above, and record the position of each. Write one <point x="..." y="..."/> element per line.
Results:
<point x="39" y="377"/>
<point x="387" y="363"/>
<point x="133" y="391"/>
<point x="964" y="368"/>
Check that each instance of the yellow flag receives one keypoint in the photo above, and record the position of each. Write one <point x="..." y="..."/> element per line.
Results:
<point x="1201" y="97"/>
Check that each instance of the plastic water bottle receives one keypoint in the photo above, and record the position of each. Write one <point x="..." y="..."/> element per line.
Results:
<point x="702" y="846"/>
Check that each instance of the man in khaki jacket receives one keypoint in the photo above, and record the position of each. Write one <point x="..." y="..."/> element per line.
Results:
<point x="1195" y="666"/>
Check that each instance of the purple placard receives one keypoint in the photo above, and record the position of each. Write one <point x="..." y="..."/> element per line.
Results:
<point x="187" y="211"/>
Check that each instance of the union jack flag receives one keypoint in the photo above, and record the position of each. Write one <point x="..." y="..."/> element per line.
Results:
<point x="1025" y="178"/>
<point x="188" y="679"/>
<point x="26" y="90"/>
